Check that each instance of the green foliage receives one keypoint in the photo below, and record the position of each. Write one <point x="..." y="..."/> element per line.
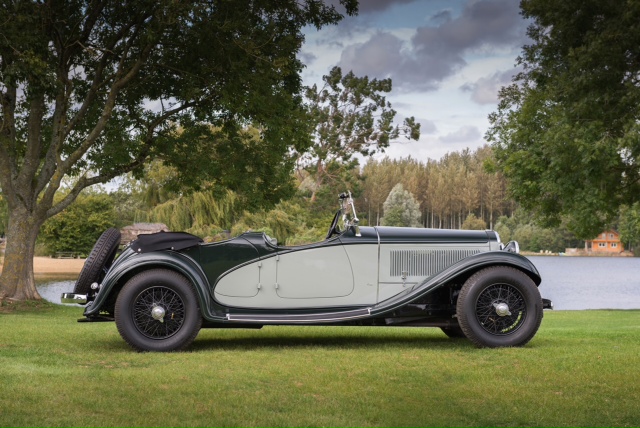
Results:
<point x="307" y="235"/>
<point x="566" y="133"/>
<point x="521" y="227"/>
<point x="288" y="222"/>
<point x="350" y="115"/>
<point x="401" y="208"/>
<point x="93" y="90"/>
<point x="339" y="177"/>
<point x="78" y="227"/>
<point x="473" y="223"/>
<point x="629" y="225"/>
<point x="198" y="210"/>
<point x="128" y="53"/>
<point x="448" y="189"/>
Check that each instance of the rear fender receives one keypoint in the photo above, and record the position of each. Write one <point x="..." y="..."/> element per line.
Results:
<point x="130" y="263"/>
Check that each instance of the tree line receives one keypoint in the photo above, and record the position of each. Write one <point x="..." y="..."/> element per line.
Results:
<point x="448" y="190"/>
<point x="462" y="191"/>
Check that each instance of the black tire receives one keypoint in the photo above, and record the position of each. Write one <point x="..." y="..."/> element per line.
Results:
<point x="99" y="260"/>
<point x="157" y="310"/>
<point x="454" y="332"/>
<point x="498" y="307"/>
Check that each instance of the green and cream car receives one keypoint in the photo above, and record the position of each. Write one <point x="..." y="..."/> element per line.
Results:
<point x="164" y="287"/>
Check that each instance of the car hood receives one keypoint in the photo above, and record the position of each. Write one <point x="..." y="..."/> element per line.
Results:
<point x="390" y="235"/>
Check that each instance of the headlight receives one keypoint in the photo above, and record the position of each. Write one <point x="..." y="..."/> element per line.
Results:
<point x="512" y="247"/>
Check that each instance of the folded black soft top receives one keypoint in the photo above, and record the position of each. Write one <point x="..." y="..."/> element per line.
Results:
<point x="164" y="241"/>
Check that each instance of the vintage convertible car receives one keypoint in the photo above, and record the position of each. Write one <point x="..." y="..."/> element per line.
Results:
<point x="164" y="287"/>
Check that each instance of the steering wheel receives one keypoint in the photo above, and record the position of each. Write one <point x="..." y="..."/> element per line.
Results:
<point x="333" y="229"/>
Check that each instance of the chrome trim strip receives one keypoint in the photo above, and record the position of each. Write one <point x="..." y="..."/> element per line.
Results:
<point x="301" y="318"/>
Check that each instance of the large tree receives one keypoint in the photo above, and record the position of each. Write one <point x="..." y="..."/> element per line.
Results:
<point x="91" y="89"/>
<point x="567" y="131"/>
<point x="350" y="115"/>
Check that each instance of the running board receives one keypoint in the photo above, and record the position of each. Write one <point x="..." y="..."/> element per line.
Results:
<point x="330" y="317"/>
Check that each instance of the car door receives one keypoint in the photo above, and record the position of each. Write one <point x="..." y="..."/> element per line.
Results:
<point x="314" y="273"/>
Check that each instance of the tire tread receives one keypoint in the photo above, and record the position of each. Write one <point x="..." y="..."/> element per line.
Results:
<point x="101" y="254"/>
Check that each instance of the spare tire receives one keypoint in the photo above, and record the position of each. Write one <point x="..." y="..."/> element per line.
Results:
<point x="99" y="260"/>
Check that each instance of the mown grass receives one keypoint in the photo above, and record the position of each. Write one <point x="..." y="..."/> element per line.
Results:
<point x="582" y="369"/>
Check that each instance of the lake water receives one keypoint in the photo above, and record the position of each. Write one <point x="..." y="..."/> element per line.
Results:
<point x="572" y="283"/>
<point x="590" y="282"/>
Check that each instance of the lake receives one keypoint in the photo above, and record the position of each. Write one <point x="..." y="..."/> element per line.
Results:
<point x="572" y="283"/>
<point x="590" y="282"/>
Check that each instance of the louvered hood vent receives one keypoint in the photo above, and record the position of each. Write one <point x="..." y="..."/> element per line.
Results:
<point x="424" y="263"/>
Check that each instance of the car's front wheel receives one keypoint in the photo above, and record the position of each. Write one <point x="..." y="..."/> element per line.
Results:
<point x="499" y="306"/>
<point x="157" y="310"/>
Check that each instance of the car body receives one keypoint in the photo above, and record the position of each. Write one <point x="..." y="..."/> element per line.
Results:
<point x="164" y="287"/>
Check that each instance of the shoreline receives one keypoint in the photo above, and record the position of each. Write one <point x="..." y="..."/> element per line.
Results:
<point x="47" y="266"/>
<point x="578" y="254"/>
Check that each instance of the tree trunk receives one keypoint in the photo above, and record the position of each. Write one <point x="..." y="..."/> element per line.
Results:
<point x="17" y="280"/>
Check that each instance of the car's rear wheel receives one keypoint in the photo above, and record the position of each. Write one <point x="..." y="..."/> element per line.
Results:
<point x="157" y="310"/>
<point x="99" y="260"/>
<point x="499" y="306"/>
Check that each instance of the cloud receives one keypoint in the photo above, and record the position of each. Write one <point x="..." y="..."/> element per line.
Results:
<point x="485" y="90"/>
<point x="436" y="52"/>
<point x="441" y="16"/>
<point x="427" y="126"/>
<point x="380" y="56"/>
<point x="462" y="135"/>
<point x="307" y="57"/>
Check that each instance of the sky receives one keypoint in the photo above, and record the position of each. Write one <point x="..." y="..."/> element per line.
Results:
<point x="447" y="60"/>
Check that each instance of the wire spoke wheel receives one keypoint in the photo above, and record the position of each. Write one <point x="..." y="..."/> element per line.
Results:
<point x="158" y="312"/>
<point x="501" y="309"/>
<point x="499" y="306"/>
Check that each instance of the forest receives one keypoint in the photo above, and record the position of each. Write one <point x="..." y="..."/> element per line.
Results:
<point x="463" y="190"/>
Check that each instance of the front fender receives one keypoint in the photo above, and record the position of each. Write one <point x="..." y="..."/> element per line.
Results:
<point x="130" y="263"/>
<point x="463" y="268"/>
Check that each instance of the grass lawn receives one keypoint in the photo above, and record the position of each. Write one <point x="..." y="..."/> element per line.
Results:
<point x="582" y="369"/>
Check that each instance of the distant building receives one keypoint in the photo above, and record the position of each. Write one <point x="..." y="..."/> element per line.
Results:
<point x="129" y="233"/>
<point x="606" y="242"/>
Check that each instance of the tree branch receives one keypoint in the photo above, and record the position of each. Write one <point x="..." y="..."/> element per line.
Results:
<point x="85" y="182"/>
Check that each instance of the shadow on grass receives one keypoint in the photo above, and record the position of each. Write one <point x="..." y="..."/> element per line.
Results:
<point x="301" y="337"/>
<point x="348" y="341"/>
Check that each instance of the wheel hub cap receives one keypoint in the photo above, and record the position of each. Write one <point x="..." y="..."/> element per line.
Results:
<point x="158" y="313"/>
<point x="502" y="309"/>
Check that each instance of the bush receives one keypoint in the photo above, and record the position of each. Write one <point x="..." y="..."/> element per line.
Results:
<point x="474" y="223"/>
<point x="77" y="228"/>
<point x="401" y="209"/>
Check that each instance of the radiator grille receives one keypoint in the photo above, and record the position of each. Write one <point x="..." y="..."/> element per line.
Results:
<point x="425" y="262"/>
